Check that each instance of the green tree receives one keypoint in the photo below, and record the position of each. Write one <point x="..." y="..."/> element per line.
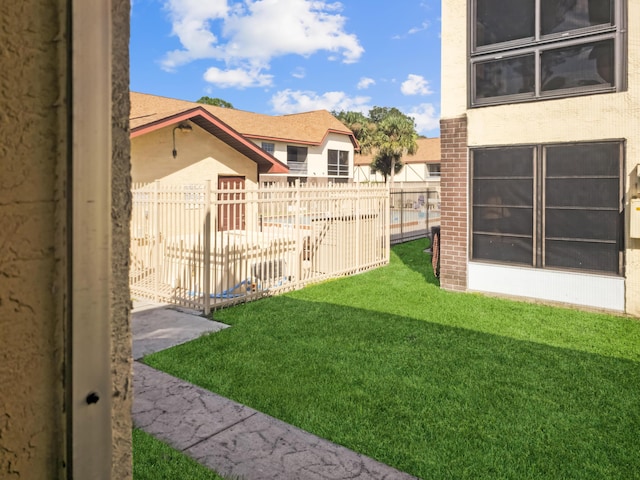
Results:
<point x="363" y="128"/>
<point x="217" y="102"/>
<point x="378" y="114"/>
<point x="382" y="163"/>
<point x="387" y="132"/>
<point x="395" y="137"/>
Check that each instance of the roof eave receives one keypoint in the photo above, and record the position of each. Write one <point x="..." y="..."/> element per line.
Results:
<point x="267" y="163"/>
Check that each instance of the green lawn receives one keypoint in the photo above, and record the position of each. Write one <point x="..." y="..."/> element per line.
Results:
<point x="434" y="383"/>
<point x="155" y="460"/>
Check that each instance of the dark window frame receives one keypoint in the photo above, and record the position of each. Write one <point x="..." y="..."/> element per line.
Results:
<point x="530" y="52"/>
<point x="297" y="154"/>
<point x="563" y="233"/>
<point x="338" y="166"/>
<point x="434" y="169"/>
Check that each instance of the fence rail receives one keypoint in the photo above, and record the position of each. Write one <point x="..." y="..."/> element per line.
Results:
<point x="413" y="213"/>
<point x="205" y="248"/>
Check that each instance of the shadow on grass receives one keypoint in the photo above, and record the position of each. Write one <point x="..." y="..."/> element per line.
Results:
<point x="433" y="400"/>
<point x="415" y="255"/>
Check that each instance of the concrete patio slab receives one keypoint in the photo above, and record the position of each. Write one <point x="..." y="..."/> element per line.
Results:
<point x="157" y="327"/>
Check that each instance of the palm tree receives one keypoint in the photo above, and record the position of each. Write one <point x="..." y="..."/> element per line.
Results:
<point x="395" y="137"/>
<point x="388" y="132"/>
<point x="363" y="128"/>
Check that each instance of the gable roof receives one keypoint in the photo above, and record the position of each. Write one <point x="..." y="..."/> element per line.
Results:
<point x="309" y="128"/>
<point x="147" y="116"/>
<point x="428" y="152"/>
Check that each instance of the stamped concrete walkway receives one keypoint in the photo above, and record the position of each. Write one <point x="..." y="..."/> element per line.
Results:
<point x="232" y="439"/>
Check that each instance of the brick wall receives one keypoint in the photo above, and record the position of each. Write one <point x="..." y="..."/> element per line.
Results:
<point x="454" y="204"/>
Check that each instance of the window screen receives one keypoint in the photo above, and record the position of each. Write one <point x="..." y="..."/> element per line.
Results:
<point x="500" y="21"/>
<point x="582" y="206"/>
<point x="548" y="206"/>
<point x="524" y="50"/>
<point x="503" y="204"/>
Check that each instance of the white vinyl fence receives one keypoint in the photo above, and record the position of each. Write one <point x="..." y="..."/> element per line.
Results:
<point x="202" y="247"/>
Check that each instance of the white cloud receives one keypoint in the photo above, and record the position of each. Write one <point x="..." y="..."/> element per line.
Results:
<point x="426" y="118"/>
<point x="238" y="78"/>
<point x="423" y="26"/>
<point x="365" y="82"/>
<point x="271" y="28"/>
<point x="415" y="85"/>
<point x="251" y="33"/>
<point x="296" y="101"/>
<point x="413" y="30"/>
<point x="190" y="21"/>
<point x="299" y="72"/>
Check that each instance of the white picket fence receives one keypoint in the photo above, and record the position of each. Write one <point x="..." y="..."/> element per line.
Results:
<point x="204" y="248"/>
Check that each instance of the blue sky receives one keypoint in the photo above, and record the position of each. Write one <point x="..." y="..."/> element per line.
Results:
<point x="288" y="56"/>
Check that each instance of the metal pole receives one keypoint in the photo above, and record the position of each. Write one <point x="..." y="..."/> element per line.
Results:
<point x="207" y="249"/>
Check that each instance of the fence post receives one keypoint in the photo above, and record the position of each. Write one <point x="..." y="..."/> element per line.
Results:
<point x="386" y="207"/>
<point x="299" y="238"/>
<point x="359" y="220"/>
<point x="426" y="206"/>
<point x="207" y="249"/>
<point x="156" y="243"/>
<point x="402" y="214"/>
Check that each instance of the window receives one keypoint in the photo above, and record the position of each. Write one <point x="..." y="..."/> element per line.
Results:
<point x="548" y="206"/>
<point x="296" y="154"/>
<point x="526" y="50"/>
<point x="297" y="159"/>
<point x="433" y="169"/>
<point x="338" y="163"/>
<point x="268" y="147"/>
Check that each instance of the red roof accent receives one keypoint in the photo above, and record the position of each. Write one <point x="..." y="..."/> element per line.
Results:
<point x="267" y="163"/>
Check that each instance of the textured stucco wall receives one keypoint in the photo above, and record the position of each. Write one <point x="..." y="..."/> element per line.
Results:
<point x="584" y="118"/>
<point x="32" y="248"/>
<point x="453" y="64"/>
<point x="121" y="401"/>
<point x="34" y="261"/>
<point x="201" y="156"/>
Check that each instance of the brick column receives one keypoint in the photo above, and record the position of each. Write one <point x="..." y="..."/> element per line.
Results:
<point x="454" y="204"/>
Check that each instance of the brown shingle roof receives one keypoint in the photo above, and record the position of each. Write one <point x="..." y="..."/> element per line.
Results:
<point x="306" y="128"/>
<point x="428" y="152"/>
<point x="148" y="114"/>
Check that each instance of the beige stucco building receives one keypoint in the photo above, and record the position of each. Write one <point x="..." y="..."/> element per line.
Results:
<point x="540" y="138"/>
<point x="420" y="168"/>
<point x="65" y="346"/>
<point x="310" y="146"/>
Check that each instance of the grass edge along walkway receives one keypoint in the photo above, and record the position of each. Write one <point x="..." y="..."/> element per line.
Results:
<point x="437" y="384"/>
<point x="155" y="460"/>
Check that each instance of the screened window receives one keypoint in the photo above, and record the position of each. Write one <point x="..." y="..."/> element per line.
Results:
<point x="526" y="50"/>
<point x="297" y="159"/>
<point x="503" y="204"/>
<point x="553" y="206"/>
<point x="338" y="163"/>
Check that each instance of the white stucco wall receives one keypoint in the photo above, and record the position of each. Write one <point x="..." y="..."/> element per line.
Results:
<point x="584" y="118"/>
<point x="317" y="154"/>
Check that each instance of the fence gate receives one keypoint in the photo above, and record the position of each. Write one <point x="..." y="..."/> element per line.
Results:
<point x="231" y="207"/>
